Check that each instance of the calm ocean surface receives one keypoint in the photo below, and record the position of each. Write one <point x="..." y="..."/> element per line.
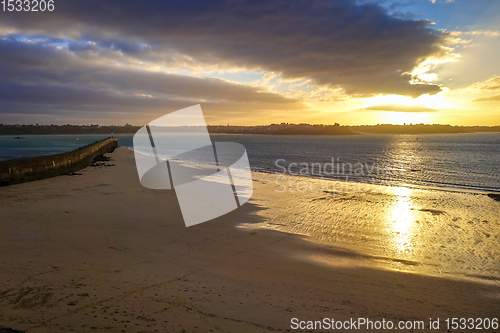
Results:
<point x="464" y="162"/>
<point x="38" y="145"/>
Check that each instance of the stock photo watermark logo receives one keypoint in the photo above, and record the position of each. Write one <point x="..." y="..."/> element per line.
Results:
<point x="175" y="152"/>
<point x="333" y="177"/>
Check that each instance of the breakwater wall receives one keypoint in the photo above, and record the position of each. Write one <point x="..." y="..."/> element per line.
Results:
<point x="34" y="168"/>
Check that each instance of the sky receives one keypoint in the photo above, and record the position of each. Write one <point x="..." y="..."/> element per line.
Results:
<point x="253" y="62"/>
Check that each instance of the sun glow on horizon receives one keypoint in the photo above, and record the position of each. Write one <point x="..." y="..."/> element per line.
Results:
<point x="436" y="102"/>
<point x="399" y="109"/>
<point x="400" y="118"/>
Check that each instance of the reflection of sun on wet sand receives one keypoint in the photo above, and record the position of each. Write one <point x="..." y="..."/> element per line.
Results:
<point x="100" y="252"/>
<point x="431" y="232"/>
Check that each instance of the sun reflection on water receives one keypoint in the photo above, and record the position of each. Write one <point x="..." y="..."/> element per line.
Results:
<point x="401" y="222"/>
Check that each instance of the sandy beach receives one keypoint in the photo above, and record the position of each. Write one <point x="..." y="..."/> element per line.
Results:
<point x="97" y="252"/>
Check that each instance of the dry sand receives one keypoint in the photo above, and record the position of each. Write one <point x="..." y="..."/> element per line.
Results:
<point x="98" y="252"/>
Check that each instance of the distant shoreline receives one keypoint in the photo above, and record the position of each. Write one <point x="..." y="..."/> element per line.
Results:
<point x="298" y="134"/>
<point x="273" y="129"/>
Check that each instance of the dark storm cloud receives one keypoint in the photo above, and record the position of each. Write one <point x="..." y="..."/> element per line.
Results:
<point x="41" y="78"/>
<point x="336" y="43"/>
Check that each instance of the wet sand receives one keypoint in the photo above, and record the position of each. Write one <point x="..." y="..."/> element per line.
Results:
<point x="428" y="231"/>
<point x="100" y="253"/>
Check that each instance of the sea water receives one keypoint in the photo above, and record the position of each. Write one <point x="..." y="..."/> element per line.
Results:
<point x="464" y="162"/>
<point x="12" y="147"/>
